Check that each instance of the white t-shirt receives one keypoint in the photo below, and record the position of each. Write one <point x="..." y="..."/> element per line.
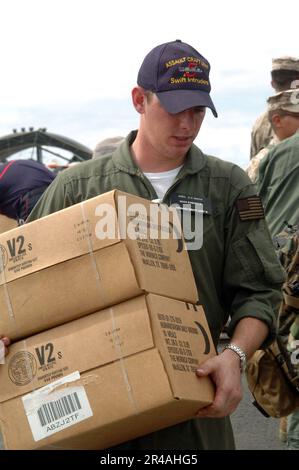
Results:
<point x="163" y="180"/>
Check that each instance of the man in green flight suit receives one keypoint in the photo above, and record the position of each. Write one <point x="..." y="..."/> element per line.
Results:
<point x="236" y="269"/>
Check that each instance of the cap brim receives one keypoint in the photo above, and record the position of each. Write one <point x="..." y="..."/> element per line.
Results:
<point x="176" y="101"/>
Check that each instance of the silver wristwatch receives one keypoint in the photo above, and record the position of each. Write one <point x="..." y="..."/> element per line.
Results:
<point x="240" y="352"/>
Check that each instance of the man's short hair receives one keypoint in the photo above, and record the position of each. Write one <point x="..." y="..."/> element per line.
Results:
<point x="285" y="70"/>
<point x="283" y="78"/>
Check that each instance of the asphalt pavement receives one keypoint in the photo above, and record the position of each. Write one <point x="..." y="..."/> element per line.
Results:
<point x="252" y="430"/>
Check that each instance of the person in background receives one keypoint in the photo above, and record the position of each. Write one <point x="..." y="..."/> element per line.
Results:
<point x="277" y="183"/>
<point x="278" y="175"/>
<point x="236" y="269"/>
<point x="285" y="72"/>
<point x="22" y="182"/>
<point x="107" y="146"/>
<point x="283" y="116"/>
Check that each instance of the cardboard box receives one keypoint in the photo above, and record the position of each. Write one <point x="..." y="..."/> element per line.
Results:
<point x="119" y="373"/>
<point x="6" y="223"/>
<point x="85" y="258"/>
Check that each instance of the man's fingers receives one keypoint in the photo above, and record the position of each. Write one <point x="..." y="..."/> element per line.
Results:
<point x="5" y="340"/>
<point x="4" y="343"/>
<point x="206" y="368"/>
<point x="2" y="352"/>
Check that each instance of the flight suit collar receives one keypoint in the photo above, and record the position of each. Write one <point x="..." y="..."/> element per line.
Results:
<point x="123" y="160"/>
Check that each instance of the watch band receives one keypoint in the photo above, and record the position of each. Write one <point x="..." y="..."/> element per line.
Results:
<point x="240" y="353"/>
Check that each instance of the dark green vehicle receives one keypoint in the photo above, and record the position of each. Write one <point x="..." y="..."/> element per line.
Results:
<point x="55" y="151"/>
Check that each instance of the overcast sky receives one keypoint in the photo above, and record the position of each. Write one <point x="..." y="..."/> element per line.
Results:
<point x="70" y="65"/>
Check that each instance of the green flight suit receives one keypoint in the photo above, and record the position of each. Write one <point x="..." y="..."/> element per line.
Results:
<point x="277" y="184"/>
<point x="236" y="270"/>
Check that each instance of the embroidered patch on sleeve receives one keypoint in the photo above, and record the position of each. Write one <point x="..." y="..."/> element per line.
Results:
<point x="250" y="208"/>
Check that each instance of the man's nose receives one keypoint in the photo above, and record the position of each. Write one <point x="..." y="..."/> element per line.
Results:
<point x="187" y="118"/>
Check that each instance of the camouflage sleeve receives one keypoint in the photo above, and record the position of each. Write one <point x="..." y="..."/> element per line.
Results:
<point x="294" y="330"/>
<point x="293" y="344"/>
<point x="253" y="167"/>
<point x="261" y="134"/>
<point x="289" y="313"/>
<point x="253" y="145"/>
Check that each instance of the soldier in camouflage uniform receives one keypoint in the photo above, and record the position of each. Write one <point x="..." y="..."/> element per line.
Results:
<point x="283" y="116"/>
<point x="285" y="70"/>
<point x="277" y="183"/>
<point x="278" y="175"/>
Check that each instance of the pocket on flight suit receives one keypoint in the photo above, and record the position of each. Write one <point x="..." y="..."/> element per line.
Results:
<point x="258" y="258"/>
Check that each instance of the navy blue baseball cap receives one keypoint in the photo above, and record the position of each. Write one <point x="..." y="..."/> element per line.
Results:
<point x="178" y="75"/>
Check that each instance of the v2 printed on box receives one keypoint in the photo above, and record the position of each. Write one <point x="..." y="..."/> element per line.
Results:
<point x="96" y="253"/>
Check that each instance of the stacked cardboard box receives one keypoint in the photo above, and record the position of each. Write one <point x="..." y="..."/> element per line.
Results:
<point x="84" y="258"/>
<point x="99" y="378"/>
<point x="6" y="223"/>
<point x="107" y="377"/>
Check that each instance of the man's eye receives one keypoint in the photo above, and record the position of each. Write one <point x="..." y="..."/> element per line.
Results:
<point x="199" y="109"/>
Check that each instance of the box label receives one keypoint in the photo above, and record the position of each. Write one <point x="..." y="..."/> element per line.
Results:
<point x="153" y="254"/>
<point x="177" y="337"/>
<point x="49" y="412"/>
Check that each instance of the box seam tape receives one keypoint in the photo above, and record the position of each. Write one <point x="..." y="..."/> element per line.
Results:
<point x="120" y="355"/>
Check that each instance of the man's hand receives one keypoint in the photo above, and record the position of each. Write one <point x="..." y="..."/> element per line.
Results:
<point x="5" y="342"/>
<point x="224" y="370"/>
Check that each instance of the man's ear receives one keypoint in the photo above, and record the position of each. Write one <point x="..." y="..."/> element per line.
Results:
<point x="276" y="121"/>
<point x="138" y="98"/>
<point x="274" y="85"/>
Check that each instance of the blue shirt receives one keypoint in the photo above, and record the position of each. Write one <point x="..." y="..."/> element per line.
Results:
<point x="17" y="178"/>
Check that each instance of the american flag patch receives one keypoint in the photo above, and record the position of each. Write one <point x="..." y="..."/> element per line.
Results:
<point x="250" y="208"/>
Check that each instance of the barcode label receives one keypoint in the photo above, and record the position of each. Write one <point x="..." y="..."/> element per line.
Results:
<point x="55" y="410"/>
<point x="49" y="413"/>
